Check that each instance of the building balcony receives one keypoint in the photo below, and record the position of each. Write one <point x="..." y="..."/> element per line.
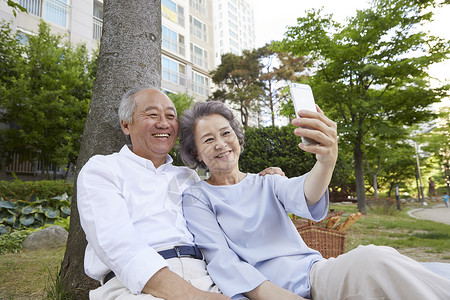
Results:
<point x="53" y="11"/>
<point x="98" y="26"/>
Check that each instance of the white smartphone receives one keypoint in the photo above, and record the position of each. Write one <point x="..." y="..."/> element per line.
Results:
<point x="303" y="98"/>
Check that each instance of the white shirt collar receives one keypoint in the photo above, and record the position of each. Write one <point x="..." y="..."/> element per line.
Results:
<point x="126" y="151"/>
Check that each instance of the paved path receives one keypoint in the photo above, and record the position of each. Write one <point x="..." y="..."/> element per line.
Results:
<point x="438" y="213"/>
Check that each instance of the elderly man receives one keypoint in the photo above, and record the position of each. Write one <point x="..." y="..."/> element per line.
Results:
<point x="130" y="209"/>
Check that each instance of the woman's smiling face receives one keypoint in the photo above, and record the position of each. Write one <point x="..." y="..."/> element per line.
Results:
<point x="217" y="144"/>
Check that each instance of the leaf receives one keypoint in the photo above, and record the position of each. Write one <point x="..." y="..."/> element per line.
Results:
<point x="65" y="210"/>
<point x="7" y="204"/>
<point x="65" y="203"/>
<point x="17" y="224"/>
<point x="26" y="220"/>
<point x="40" y="218"/>
<point x="29" y="210"/>
<point x="10" y="219"/>
<point x="52" y="213"/>
<point x="3" y="229"/>
<point x="62" y="197"/>
<point x="3" y="215"/>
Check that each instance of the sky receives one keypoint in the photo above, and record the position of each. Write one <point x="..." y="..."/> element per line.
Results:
<point x="273" y="16"/>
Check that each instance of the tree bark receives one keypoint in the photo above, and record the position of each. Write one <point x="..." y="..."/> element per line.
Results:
<point x="374" y="175"/>
<point x="359" y="177"/>
<point x="130" y="56"/>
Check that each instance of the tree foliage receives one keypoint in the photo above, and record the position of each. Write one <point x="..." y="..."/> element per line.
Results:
<point x="238" y="83"/>
<point x="46" y="87"/>
<point x="437" y="143"/>
<point x="277" y="71"/>
<point x="182" y="101"/>
<point x="393" y="161"/>
<point x="371" y="72"/>
<point x="15" y="7"/>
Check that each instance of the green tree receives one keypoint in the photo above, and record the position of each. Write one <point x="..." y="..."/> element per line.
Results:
<point x="437" y="142"/>
<point x="237" y="80"/>
<point x="371" y="72"/>
<point x="277" y="71"/>
<point x="45" y="94"/>
<point x="398" y="166"/>
<point x="389" y="163"/>
<point x="182" y="101"/>
<point x="10" y="54"/>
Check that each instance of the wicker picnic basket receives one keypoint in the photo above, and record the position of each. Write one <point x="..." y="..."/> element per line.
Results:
<point x="329" y="242"/>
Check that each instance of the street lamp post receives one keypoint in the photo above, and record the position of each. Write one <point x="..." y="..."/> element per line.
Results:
<point x="418" y="173"/>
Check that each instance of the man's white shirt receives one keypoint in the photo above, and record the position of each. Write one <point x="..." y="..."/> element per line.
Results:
<point x="128" y="210"/>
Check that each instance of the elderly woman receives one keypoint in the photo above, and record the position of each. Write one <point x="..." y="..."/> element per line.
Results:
<point x="252" y="248"/>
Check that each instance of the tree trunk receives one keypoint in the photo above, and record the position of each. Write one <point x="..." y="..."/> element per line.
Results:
<point x="130" y="56"/>
<point x="359" y="177"/>
<point x="374" y="175"/>
<point x="271" y="104"/>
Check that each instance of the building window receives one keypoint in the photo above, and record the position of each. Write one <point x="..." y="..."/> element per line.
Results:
<point x="232" y="16"/>
<point x="199" y="5"/>
<point x="173" y="71"/>
<point x="172" y="11"/>
<point x="200" y="84"/>
<point x="198" y="29"/>
<point x="98" y="20"/>
<point x="173" y="41"/>
<point x="232" y="25"/>
<point x="234" y="43"/>
<point x="199" y="56"/>
<point x="232" y="7"/>
<point x="54" y="11"/>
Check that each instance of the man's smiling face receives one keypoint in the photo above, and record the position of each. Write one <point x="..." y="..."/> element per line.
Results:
<point x="154" y="128"/>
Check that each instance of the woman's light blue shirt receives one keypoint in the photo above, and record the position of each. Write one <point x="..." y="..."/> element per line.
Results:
<point x="246" y="235"/>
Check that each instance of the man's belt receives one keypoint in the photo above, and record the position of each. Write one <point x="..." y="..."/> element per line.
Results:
<point x="177" y="251"/>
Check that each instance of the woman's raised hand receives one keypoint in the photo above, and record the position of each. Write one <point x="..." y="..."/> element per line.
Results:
<point x="316" y="126"/>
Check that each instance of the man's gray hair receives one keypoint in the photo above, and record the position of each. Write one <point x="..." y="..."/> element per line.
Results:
<point x="188" y="150"/>
<point x="128" y="105"/>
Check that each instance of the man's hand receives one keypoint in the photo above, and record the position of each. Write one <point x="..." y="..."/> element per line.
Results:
<point x="272" y="171"/>
<point x="168" y="285"/>
<point x="269" y="291"/>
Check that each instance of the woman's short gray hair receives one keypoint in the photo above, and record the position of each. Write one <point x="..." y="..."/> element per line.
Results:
<point x="128" y="105"/>
<point x="188" y="150"/>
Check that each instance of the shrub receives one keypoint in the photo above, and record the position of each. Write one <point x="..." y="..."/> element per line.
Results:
<point x="13" y="242"/>
<point x="274" y="147"/>
<point x="25" y="190"/>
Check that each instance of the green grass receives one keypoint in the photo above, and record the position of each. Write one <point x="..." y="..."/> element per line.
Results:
<point x="28" y="274"/>
<point x="398" y="230"/>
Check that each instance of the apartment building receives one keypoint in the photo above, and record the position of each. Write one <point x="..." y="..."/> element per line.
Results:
<point x="187" y="46"/>
<point x="80" y="20"/>
<point x="187" y="35"/>
<point x="234" y="27"/>
<point x="187" y="42"/>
